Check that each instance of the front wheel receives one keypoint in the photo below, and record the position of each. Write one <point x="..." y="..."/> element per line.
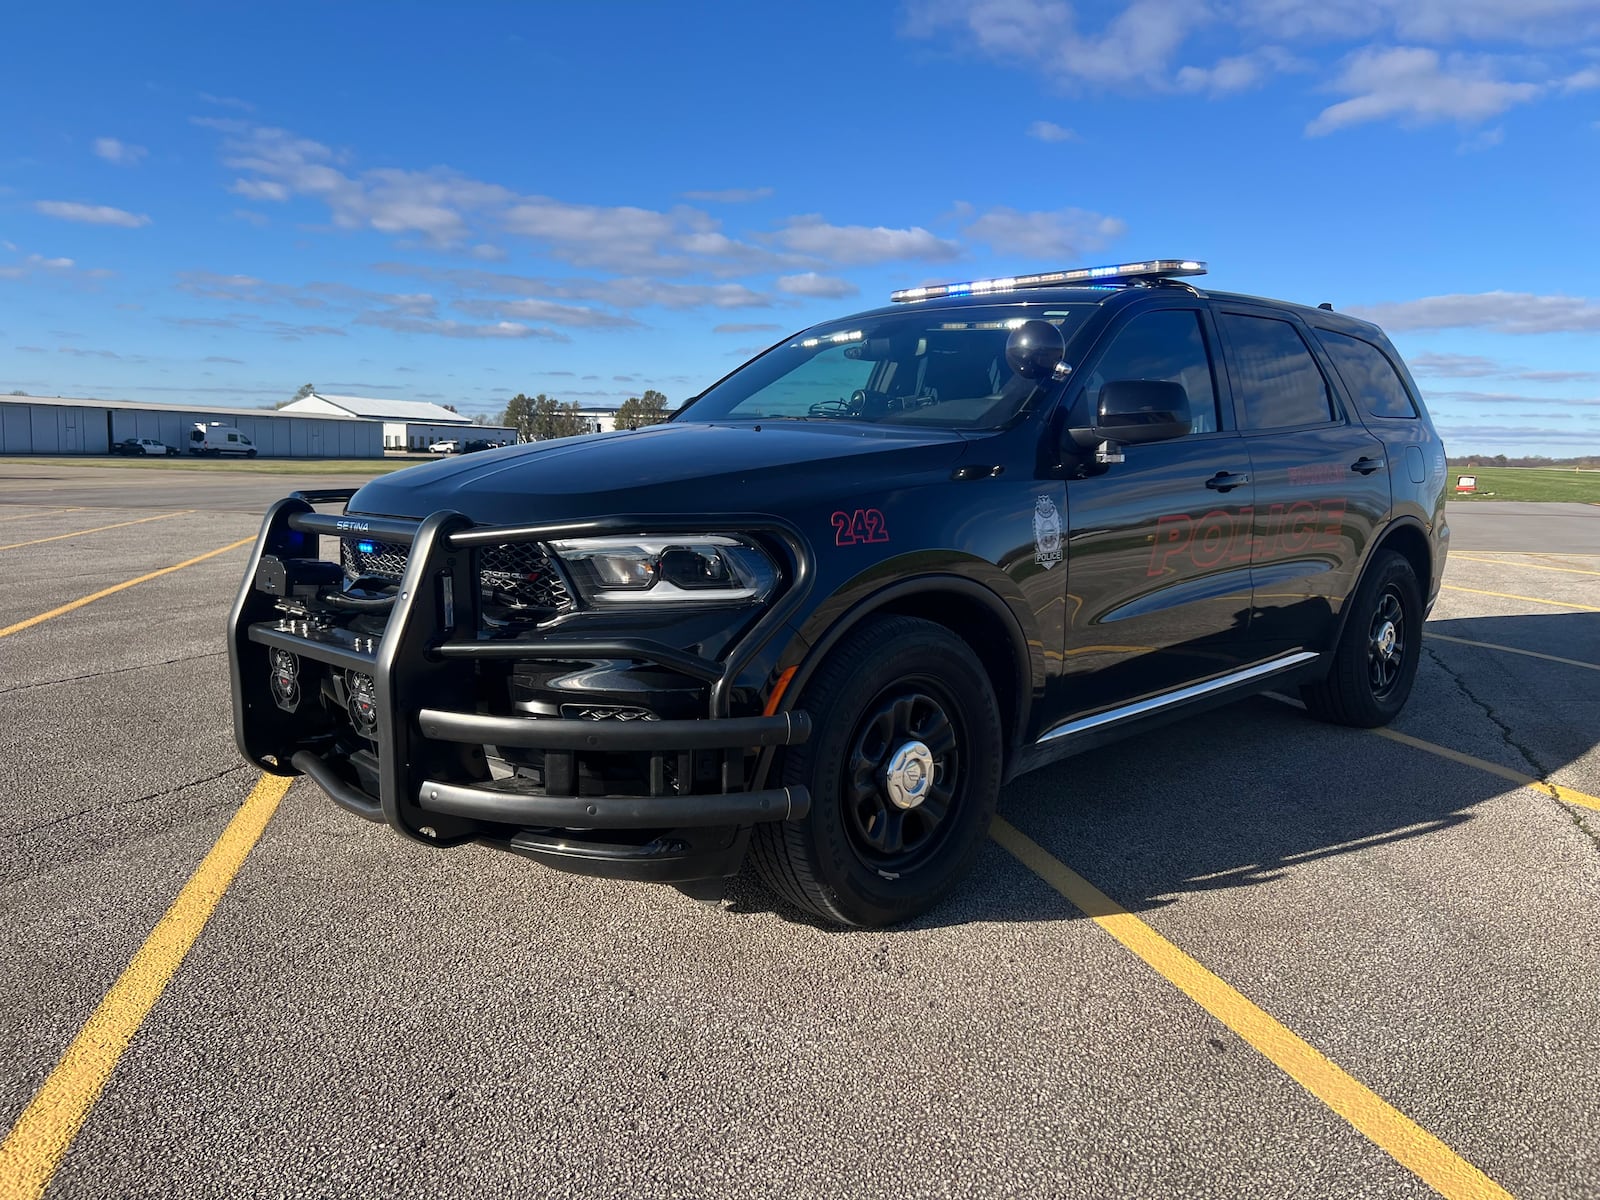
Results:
<point x="249" y="453"/>
<point x="1376" y="659"/>
<point x="904" y="771"/>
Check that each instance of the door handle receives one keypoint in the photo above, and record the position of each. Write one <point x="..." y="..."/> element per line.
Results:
<point x="1367" y="465"/>
<point x="1222" y="481"/>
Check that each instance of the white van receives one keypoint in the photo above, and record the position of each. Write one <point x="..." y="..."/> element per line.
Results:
<point x="217" y="438"/>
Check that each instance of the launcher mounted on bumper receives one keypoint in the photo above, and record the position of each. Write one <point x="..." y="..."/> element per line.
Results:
<point x="433" y="679"/>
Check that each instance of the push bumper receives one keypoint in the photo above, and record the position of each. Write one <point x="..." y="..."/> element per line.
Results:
<point x="421" y="763"/>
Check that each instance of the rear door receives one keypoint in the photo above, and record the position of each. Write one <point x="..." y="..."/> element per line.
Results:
<point x="1158" y="570"/>
<point x="1322" y="485"/>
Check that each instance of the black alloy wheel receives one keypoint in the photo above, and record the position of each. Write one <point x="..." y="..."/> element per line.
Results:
<point x="904" y="770"/>
<point x="895" y="832"/>
<point x="1375" y="663"/>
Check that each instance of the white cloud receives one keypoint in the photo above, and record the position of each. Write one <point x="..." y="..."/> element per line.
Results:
<point x="1501" y="312"/>
<point x="1049" y="131"/>
<point x="498" y="330"/>
<point x="1414" y="85"/>
<point x="549" y="311"/>
<point x="1582" y="81"/>
<point x="626" y="292"/>
<point x="124" y="154"/>
<point x="857" y="245"/>
<point x="815" y="286"/>
<point x="90" y="214"/>
<point x="747" y="327"/>
<point x="1044" y="237"/>
<point x="1135" y="45"/>
<point x="1475" y="366"/>
<point x="1238" y="72"/>
<point x="731" y="195"/>
<point x="34" y="265"/>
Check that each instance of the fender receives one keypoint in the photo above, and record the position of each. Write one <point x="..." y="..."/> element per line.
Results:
<point x="1027" y="659"/>
<point x="1377" y="543"/>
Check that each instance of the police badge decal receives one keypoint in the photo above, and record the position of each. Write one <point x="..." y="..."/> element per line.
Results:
<point x="1046" y="532"/>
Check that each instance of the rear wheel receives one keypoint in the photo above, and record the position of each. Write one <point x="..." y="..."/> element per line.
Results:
<point x="1376" y="659"/>
<point x="904" y="772"/>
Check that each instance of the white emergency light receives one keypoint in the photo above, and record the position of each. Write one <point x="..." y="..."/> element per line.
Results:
<point x="1155" y="268"/>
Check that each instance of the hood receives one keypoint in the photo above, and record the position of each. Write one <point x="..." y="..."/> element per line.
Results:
<point x="671" y="468"/>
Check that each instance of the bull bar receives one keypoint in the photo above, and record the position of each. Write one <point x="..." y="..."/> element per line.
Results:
<point x="430" y="717"/>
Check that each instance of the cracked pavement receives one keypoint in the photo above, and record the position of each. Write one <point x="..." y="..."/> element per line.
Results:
<point x="368" y="1016"/>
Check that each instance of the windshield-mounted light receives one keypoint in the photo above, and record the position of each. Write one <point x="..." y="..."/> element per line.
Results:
<point x="696" y="569"/>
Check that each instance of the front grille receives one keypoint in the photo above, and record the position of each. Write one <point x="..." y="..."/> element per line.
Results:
<point x="514" y="575"/>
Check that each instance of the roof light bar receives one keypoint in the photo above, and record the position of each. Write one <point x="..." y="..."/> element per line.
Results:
<point x="1155" y="268"/>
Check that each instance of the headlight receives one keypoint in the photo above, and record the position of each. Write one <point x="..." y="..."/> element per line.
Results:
<point x="702" y="568"/>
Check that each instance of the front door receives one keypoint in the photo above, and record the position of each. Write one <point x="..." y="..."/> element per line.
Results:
<point x="1158" y="560"/>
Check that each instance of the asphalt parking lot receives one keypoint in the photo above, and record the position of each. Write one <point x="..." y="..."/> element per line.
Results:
<point x="361" y="1015"/>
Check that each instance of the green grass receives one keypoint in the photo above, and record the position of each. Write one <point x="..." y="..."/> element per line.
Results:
<point x="1526" y="483"/>
<point x="253" y="466"/>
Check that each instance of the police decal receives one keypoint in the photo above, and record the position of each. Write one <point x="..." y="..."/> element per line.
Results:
<point x="1046" y="532"/>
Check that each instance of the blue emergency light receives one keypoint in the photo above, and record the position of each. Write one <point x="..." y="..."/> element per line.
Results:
<point x="1155" y="268"/>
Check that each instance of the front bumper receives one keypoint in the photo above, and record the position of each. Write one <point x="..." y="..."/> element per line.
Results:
<point x="434" y="712"/>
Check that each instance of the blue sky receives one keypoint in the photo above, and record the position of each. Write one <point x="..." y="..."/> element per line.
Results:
<point x="207" y="203"/>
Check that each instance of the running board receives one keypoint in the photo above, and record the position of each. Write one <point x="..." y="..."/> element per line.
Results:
<point x="1156" y="704"/>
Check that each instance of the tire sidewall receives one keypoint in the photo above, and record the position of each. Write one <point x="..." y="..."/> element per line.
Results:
<point x="861" y="894"/>
<point x="1394" y="571"/>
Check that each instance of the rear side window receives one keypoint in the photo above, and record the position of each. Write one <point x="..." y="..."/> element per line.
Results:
<point x="1369" y="375"/>
<point x="196" y="436"/>
<point x="1165" y="344"/>
<point x="1274" y="374"/>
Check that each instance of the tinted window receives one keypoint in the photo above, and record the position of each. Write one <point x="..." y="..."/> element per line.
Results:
<point x="1369" y="375"/>
<point x="1167" y="344"/>
<point x="1274" y="374"/>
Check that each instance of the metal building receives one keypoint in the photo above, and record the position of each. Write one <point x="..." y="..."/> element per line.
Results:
<point x="41" y="425"/>
<point x="407" y="424"/>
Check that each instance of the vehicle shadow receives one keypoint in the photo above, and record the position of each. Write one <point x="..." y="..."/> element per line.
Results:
<point x="1241" y="795"/>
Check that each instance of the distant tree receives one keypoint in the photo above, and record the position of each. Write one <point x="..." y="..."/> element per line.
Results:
<point x="306" y="389"/>
<point x="553" y="419"/>
<point x="450" y="407"/>
<point x="638" y="411"/>
<point x="19" y="392"/>
<point x="484" y="419"/>
<point x="519" y="415"/>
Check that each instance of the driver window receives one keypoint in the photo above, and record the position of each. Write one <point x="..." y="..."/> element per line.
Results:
<point x="1167" y="344"/>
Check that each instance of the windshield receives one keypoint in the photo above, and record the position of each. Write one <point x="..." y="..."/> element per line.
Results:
<point x="941" y="367"/>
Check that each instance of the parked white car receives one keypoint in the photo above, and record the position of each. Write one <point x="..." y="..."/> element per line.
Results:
<point x="142" y="446"/>
<point x="449" y="446"/>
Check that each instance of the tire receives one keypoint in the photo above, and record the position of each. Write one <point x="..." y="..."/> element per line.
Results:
<point x="1376" y="660"/>
<point x="249" y="453"/>
<point x="144" y="452"/>
<point x="859" y="857"/>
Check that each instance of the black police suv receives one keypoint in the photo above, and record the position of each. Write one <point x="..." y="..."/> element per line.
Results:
<point x="821" y="615"/>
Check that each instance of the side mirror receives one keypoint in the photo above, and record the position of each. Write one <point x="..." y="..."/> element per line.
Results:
<point x="1142" y="410"/>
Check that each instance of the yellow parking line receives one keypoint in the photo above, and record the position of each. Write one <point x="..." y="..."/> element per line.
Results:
<point x="37" y="1142"/>
<point x="103" y="592"/>
<point x="45" y="513"/>
<point x="1528" y="599"/>
<point x="97" y="529"/>
<point x="1498" y="562"/>
<point x="1561" y="792"/>
<point x="1410" y="1145"/>
<point x="1429" y="635"/>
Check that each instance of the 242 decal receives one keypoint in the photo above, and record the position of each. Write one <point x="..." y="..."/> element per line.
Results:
<point x="862" y="525"/>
